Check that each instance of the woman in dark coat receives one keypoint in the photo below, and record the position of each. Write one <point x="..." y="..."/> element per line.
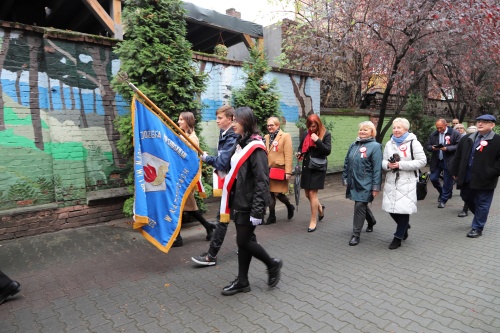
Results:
<point x="317" y="143"/>
<point x="245" y="195"/>
<point x="363" y="175"/>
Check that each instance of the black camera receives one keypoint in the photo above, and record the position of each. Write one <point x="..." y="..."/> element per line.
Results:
<point x="394" y="158"/>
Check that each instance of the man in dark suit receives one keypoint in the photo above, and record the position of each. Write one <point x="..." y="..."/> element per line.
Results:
<point x="476" y="167"/>
<point x="443" y="144"/>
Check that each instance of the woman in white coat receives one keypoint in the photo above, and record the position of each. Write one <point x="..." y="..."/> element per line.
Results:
<point x="400" y="190"/>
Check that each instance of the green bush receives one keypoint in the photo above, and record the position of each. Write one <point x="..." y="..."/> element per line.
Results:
<point x="157" y="58"/>
<point x="261" y="96"/>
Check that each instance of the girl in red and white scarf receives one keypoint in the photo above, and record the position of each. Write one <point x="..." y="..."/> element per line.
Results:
<point x="245" y="196"/>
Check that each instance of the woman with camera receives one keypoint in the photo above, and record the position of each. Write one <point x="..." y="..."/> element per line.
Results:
<point x="313" y="150"/>
<point x="403" y="157"/>
<point x="363" y="177"/>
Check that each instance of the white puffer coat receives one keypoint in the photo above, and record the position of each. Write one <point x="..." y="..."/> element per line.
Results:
<point x="400" y="196"/>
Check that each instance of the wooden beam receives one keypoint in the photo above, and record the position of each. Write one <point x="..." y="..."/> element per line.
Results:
<point x="116" y="14"/>
<point x="247" y="40"/>
<point x="95" y="7"/>
<point x="260" y="43"/>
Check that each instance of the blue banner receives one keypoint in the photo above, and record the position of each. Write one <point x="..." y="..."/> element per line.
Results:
<point x="166" y="170"/>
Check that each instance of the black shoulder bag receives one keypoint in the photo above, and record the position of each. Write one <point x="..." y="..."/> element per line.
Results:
<point x="422" y="179"/>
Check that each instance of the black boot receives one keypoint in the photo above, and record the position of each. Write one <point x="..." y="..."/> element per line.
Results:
<point x="290" y="208"/>
<point x="236" y="287"/>
<point x="396" y="242"/>
<point x="274" y="273"/>
<point x="271" y="219"/>
<point x="178" y="242"/>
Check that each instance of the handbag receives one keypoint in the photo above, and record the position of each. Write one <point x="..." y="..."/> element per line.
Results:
<point x="317" y="163"/>
<point x="422" y="179"/>
<point x="277" y="174"/>
<point x="422" y="185"/>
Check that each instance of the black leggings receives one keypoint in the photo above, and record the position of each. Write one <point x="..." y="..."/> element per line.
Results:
<point x="197" y="215"/>
<point x="281" y="197"/>
<point x="247" y="248"/>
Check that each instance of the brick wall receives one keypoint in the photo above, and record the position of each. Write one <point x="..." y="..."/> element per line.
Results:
<point x="47" y="218"/>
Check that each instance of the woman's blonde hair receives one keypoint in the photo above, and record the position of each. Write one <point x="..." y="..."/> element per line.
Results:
<point x="403" y="121"/>
<point x="275" y="120"/>
<point x="370" y="125"/>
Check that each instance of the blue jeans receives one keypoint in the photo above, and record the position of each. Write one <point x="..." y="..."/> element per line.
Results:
<point x="479" y="202"/>
<point x="446" y="190"/>
<point x="403" y="221"/>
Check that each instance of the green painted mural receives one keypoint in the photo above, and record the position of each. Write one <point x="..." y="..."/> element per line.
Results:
<point x="57" y="139"/>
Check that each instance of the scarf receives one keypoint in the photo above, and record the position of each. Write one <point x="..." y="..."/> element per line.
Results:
<point x="239" y="158"/>
<point x="272" y="136"/>
<point x="401" y="139"/>
<point x="217" y="184"/>
<point x="308" y="142"/>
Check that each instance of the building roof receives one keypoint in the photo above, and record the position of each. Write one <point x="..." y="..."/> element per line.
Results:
<point x="206" y="28"/>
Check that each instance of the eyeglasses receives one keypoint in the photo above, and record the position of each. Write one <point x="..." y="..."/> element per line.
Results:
<point x="235" y="121"/>
<point x="272" y="125"/>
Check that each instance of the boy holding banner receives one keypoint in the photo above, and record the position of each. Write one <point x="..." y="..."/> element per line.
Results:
<point x="221" y="164"/>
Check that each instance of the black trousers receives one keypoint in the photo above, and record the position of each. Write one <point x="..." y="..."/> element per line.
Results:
<point x="361" y="213"/>
<point x="218" y="237"/>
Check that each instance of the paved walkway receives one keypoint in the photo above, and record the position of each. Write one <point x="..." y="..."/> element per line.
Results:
<point x="108" y="278"/>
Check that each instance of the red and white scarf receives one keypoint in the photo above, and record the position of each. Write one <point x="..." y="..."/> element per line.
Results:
<point x="237" y="161"/>
<point x="217" y="184"/>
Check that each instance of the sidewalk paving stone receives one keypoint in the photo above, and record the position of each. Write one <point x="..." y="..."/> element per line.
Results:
<point x="108" y="278"/>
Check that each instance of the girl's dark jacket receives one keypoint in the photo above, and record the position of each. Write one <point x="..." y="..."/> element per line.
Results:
<point x="250" y="194"/>
<point x="486" y="164"/>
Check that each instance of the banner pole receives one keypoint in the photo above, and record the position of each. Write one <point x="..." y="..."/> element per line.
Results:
<point x="150" y="103"/>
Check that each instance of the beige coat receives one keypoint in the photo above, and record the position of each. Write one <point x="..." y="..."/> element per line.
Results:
<point x="190" y="205"/>
<point x="280" y="157"/>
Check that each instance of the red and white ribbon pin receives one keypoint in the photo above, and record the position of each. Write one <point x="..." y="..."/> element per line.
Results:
<point x="275" y="146"/>
<point x="403" y="149"/>
<point x="482" y="144"/>
<point x="362" y="150"/>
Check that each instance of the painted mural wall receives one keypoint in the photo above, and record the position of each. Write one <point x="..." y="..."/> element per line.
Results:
<point x="300" y="95"/>
<point x="57" y="140"/>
